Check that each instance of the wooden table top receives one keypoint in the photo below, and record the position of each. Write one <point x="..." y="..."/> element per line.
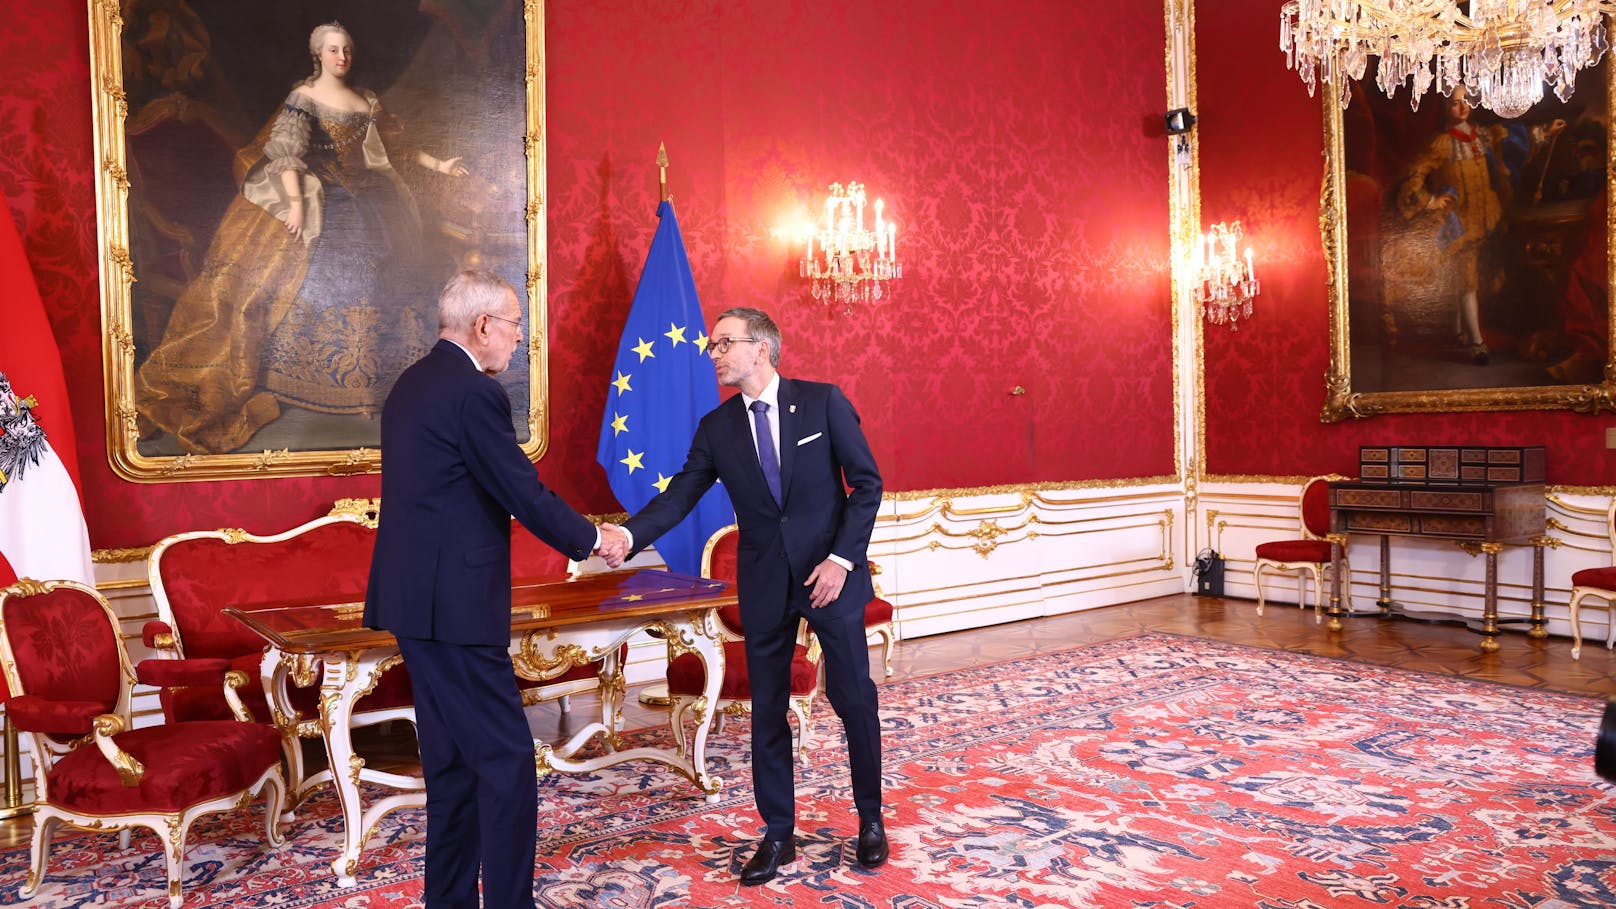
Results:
<point x="536" y="603"/>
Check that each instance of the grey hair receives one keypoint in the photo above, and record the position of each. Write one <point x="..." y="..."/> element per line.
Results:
<point x="758" y="325"/>
<point x="468" y="295"/>
<point x="314" y="44"/>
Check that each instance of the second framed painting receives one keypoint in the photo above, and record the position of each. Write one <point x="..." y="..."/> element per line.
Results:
<point x="1468" y="253"/>
<point x="283" y="189"/>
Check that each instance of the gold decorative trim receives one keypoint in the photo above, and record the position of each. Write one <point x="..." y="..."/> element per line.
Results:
<point x="1054" y="486"/>
<point x="110" y="110"/>
<point x="115" y="556"/>
<point x="1341" y="402"/>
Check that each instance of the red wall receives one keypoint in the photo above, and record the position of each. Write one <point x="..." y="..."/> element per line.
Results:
<point x="1030" y="195"/>
<point x="1261" y="161"/>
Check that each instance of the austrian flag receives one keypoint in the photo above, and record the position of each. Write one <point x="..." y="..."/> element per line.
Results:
<point x="42" y="531"/>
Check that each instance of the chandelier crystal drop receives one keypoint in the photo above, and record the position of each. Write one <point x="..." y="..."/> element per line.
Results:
<point x="1504" y="52"/>
<point x="846" y="262"/>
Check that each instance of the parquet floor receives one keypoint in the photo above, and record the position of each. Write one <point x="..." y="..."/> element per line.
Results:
<point x="1444" y="649"/>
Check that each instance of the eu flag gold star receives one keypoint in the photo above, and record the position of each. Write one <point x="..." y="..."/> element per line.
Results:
<point x="633" y="461"/>
<point x="644" y="350"/>
<point x="662" y="482"/>
<point x="619" y="423"/>
<point x="676" y="334"/>
<point x="701" y="341"/>
<point x="622" y="383"/>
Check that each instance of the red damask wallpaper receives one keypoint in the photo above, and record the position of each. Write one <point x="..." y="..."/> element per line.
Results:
<point x="1261" y="162"/>
<point x="1013" y="149"/>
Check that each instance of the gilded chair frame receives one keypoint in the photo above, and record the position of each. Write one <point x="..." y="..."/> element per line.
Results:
<point x="44" y="750"/>
<point x="1608" y="597"/>
<point x="1304" y="570"/>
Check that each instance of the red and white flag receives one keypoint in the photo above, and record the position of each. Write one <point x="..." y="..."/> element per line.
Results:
<point x="42" y="531"/>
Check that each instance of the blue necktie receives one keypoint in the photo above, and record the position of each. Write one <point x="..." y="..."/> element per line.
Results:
<point x="766" y="455"/>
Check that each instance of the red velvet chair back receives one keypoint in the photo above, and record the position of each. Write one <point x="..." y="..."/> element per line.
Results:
<point x="1316" y="507"/>
<point x="65" y="646"/>
<point x="718" y="562"/>
<point x="203" y="575"/>
<point x="531" y="558"/>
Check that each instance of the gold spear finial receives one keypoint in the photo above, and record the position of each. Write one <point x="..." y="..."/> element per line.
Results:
<point x="662" y="168"/>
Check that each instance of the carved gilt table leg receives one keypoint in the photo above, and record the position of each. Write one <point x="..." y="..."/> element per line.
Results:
<point x="1489" y="610"/>
<point x="1540" y="622"/>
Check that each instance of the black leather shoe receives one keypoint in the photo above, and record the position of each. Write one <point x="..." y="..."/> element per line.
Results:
<point x="872" y="844"/>
<point x="770" y="857"/>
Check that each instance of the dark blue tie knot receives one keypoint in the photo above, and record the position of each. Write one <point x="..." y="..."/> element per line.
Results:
<point x="767" y="458"/>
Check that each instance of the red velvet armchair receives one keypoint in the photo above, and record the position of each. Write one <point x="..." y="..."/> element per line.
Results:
<point x="195" y="575"/>
<point x="70" y="678"/>
<point x="1308" y="556"/>
<point x="687" y="674"/>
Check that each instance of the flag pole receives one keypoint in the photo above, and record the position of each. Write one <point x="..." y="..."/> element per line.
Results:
<point x="13" y="805"/>
<point x="656" y="694"/>
<point x="662" y="168"/>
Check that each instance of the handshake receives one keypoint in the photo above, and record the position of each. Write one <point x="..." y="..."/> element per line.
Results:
<point x="614" y="544"/>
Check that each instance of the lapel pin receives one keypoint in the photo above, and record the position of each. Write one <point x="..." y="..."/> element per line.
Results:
<point x="792" y="408"/>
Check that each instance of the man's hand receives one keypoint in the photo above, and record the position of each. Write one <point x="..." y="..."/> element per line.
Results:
<point x="827" y="581"/>
<point x="613" y="545"/>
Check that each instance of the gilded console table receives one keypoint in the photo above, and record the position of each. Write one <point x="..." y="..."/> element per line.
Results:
<point x="1478" y="517"/>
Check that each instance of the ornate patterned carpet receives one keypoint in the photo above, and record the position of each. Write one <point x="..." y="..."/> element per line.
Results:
<point x="1156" y="771"/>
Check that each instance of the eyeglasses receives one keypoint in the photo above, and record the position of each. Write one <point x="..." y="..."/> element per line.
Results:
<point x="722" y="345"/>
<point x="516" y="322"/>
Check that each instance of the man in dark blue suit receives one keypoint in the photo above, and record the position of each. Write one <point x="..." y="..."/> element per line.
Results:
<point x="788" y="451"/>
<point x="453" y="475"/>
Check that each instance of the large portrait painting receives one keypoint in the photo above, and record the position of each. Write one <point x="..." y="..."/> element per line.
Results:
<point x="1469" y="253"/>
<point x="283" y="190"/>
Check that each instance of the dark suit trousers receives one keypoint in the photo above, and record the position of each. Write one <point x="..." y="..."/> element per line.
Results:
<point x="481" y="784"/>
<point x="852" y="695"/>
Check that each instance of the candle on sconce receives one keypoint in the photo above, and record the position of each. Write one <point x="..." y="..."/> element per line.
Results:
<point x="892" y="240"/>
<point x="1251" y="270"/>
<point x="879" y="229"/>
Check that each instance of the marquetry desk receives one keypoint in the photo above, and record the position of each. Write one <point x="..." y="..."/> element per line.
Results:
<point x="555" y="623"/>
<point x="1478" y="517"/>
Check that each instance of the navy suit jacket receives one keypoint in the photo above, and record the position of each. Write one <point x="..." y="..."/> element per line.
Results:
<point x="453" y="475"/>
<point x="821" y="445"/>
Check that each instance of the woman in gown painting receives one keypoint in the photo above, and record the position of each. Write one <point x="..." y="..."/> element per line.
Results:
<point x="297" y="301"/>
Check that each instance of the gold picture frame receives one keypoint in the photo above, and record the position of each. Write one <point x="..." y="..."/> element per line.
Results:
<point x="171" y="74"/>
<point x="1378" y="295"/>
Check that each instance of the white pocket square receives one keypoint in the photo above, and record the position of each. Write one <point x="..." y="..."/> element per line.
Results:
<point x="809" y="439"/>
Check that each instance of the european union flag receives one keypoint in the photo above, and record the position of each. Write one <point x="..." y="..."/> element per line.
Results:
<point x="662" y="385"/>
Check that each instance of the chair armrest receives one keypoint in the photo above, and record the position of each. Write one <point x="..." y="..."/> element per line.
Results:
<point x="129" y="770"/>
<point x="161" y="673"/>
<point x="32" y="713"/>
<point x="159" y="636"/>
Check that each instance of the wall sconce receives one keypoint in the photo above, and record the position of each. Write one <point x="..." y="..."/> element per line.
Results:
<point x="1224" y="282"/>
<point x="846" y="262"/>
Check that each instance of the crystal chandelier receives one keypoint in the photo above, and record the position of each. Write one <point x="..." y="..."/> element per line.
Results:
<point x="846" y="262"/>
<point x="1502" y="51"/>
<point x="1224" y="282"/>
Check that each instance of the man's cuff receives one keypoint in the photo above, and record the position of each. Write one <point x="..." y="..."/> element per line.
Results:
<point x="846" y="565"/>
<point x="628" y="533"/>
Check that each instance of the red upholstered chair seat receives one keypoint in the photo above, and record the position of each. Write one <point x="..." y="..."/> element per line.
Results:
<point x="877" y="611"/>
<point x="1309" y="556"/>
<point x="1295" y="551"/>
<point x="687" y="677"/>
<point x="1595" y="587"/>
<point x="186" y="764"/>
<point x="1604" y="578"/>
